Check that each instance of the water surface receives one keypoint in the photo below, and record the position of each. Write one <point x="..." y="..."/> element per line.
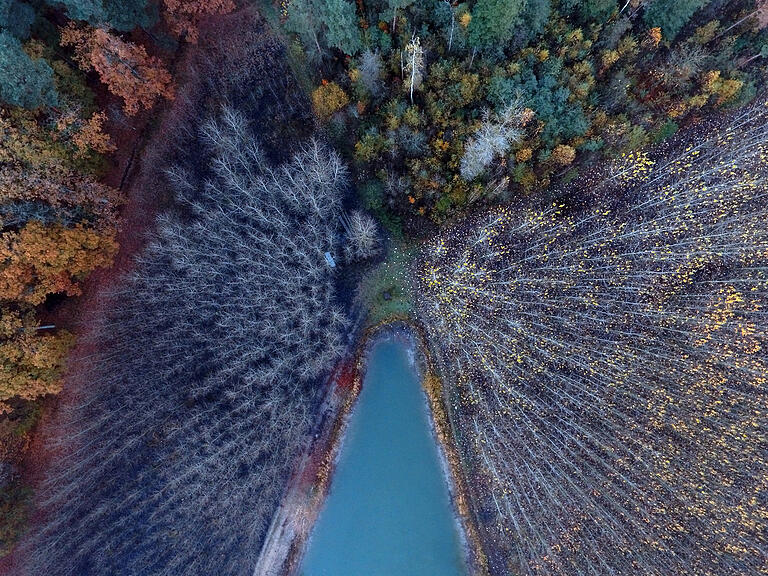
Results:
<point x="388" y="512"/>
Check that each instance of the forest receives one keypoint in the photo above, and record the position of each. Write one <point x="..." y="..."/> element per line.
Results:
<point x="608" y="364"/>
<point x="202" y="202"/>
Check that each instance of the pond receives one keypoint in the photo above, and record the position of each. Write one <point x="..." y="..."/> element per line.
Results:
<point x="389" y="511"/>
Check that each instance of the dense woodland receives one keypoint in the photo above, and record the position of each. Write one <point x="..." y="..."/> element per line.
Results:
<point x="76" y="79"/>
<point x="432" y="90"/>
<point x="209" y="382"/>
<point x="206" y="383"/>
<point x="266" y="141"/>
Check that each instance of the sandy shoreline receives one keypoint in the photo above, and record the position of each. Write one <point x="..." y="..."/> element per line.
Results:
<point x="292" y="525"/>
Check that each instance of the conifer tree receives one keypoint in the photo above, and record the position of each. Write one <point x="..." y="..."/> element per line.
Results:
<point x="671" y="15"/>
<point x="24" y="81"/>
<point x="324" y="24"/>
<point x="493" y="23"/>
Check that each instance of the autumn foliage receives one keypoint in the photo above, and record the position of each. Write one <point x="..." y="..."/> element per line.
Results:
<point x="91" y="136"/>
<point x="328" y="98"/>
<point x="37" y="260"/>
<point x="125" y="68"/>
<point x="184" y="16"/>
<point x="30" y="362"/>
<point x="606" y="364"/>
<point x="36" y="169"/>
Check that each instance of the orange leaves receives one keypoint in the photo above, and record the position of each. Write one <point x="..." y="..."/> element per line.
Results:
<point x="184" y="16"/>
<point x="91" y="137"/>
<point x="80" y="40"/>
<point x="126" y="68"/>
<point x="654" y="36"/>
<point x="85" y="134"/>
<point x="37" y="261"/>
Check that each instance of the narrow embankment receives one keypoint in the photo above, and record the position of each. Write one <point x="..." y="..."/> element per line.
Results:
<point x="308" y="486"/>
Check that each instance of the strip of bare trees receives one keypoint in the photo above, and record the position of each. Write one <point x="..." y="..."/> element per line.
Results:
<point x="207" y="387"/>
<point x="608" y="366"/>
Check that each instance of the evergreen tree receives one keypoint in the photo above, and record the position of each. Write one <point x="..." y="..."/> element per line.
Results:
<point x="24" y="81"/>
<point x="671" y="15"/>
<point x="494" y="21"/>
<point x="395" y="6"/>
<point x="340" y="18"/>
<point x="535" y="17"/>
<point x="587" y="11"/>
<point x="16" y="18"/>
<point x="122" y="15"/>
<point x="322" y="24"/>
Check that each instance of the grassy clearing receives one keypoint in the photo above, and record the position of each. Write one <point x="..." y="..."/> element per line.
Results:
<point x="385" y="291"/>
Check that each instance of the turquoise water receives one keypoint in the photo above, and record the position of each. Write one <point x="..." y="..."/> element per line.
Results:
<point x="388" y="512"/>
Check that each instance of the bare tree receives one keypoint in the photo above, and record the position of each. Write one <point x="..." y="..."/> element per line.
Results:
<point x="414" y="64"/>
<point x="606" y="365"/>
<point x="206" y="386"/>
<point x="495" y="136"/>
<point x="363" y="240"/>
<point x="370" y="72"/>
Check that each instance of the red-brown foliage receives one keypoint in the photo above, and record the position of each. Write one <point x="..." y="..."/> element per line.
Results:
<point x="126" y="68"/>
<point x="184" y="16"/>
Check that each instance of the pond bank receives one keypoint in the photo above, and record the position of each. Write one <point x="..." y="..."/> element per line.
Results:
<point x="284" y="547"/>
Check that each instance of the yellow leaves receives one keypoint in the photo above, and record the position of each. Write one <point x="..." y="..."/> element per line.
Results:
<point x="30" y="362"/>
<point x="654" y="36"/>
<point x="721" y="309"/>
<point x="440" y="145"/>
<point x="608" y="58"/>
<point x="704" y="34"/>
<point x="710" y="80"/>
<point x="327" y="99"/>
<point x="563" y="154"/>
<point x="627" y="47"/>
<point x="725" y="89"/>
<point x="677" y="109"/>
<point x="633" y="166"/>
<point x="526" y="116"/>
<point x="37" y="261"/>
<point x="635" y="321"/>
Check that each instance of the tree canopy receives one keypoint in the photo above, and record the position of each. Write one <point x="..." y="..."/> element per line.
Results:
<point x="24" y="81"/>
